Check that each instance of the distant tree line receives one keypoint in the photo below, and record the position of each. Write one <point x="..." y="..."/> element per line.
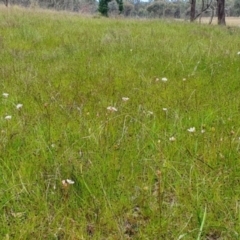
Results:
<point x="135" y="8"/>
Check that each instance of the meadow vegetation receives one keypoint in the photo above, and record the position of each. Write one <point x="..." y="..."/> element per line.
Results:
<point x="143" y="116"/>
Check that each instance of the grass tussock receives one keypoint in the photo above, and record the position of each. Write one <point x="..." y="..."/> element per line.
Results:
<point x="143" y="116"/>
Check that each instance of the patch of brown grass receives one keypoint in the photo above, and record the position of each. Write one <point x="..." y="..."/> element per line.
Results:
<point x="230" y="21"/>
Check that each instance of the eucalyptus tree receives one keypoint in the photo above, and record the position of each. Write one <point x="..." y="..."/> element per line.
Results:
<point x="104" y="9"/>
<point x="236" y="8"/>
<point x="193" y="10"/>
<point x="221" y="12"/>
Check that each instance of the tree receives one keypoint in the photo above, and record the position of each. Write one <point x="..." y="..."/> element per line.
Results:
<point x="221" y="12"/>
<point x="103" y="7"/>
<point x="206" y="8"/>
<point x="157" y="8"/>
<point x="193" y="10"/>
<point x="128" y="9"/>
<point x="236" y="7"/>
<point x="120" y="6"/>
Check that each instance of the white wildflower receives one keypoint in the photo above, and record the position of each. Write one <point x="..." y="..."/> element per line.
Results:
<point x="112" y="109"/>
<point x="192" y="130"/>
<point x="184" y="79"/>
<point x="172" y="139"/>
<point x="149" y="112"/>
<point x="164" y="79"/>
<point x="125" y="99"/>
<point x="5" y="95"/>
<point x="164" y="109"/>
<point x="69" y="181"/>
<point x="19" y="106"/>
<point x="203" y="131"/>
<point x="238" y="53"/>
<point x="8" y="117"/>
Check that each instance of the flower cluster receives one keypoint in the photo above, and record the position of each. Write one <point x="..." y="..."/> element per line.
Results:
<point x="192" y="129"/>
<point x="112" y="109"/>
<point x="18" y="106"/>
<point x="67" y="182"/>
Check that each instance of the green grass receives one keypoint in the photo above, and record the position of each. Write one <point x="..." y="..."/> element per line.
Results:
<point x="131" y="181"/>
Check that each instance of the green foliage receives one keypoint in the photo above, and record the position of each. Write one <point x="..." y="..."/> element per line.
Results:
<point x="157" y="8"/>
<point x="163" y="9"/>
<point x="236" y="8"/>
<point x="120" y="4"/>
<point x="103" y="7"/>
<point x="128" y="9"/>
<point x="140" y="172"/>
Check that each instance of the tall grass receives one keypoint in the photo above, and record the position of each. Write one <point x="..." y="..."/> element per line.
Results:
<point x="165" y="165"/>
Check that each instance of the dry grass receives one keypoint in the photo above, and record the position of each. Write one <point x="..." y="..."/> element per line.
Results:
<point x="230" y="21"/>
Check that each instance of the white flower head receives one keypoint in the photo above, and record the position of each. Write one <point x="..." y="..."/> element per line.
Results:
<point x="238" y="53"/>
<point x="149" y="113"/>
<point x="19" y="106"/>
<point x="164" y="109"/>
<point x="172" y="139"/>
<point x="125" y="99"/>
<point x="203" y="131"/>
<point x="111" y="109"/>
<point x="69" y="181"/>
<point x="8" y="117"/>
<point x="184" y="79"/>
<point x="5" y="95"/>
<point x="192" y="129"/>
<point x="164" y="79"/>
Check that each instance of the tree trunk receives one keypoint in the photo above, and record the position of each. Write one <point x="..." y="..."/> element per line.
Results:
<point x="221" y="12"/>
<point x="200" y="17"/>
<point x="212" y="15"/>
<point x="192" y="11"/>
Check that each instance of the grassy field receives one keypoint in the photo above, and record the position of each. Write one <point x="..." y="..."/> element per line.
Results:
<point x="118" y="129"/>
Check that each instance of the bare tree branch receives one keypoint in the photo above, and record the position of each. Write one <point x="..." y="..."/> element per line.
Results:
<point x="204" y="9"/>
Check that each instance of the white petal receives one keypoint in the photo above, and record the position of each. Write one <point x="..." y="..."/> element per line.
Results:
<point x="150" y="112"/>
<point x="19" y="106"/>
<point x="69" y="181"/>
<point x="125" y="99"/>
<point x="172" y="139"/>
<point x="112" y="109"/>
<point x="192" y="129"/>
